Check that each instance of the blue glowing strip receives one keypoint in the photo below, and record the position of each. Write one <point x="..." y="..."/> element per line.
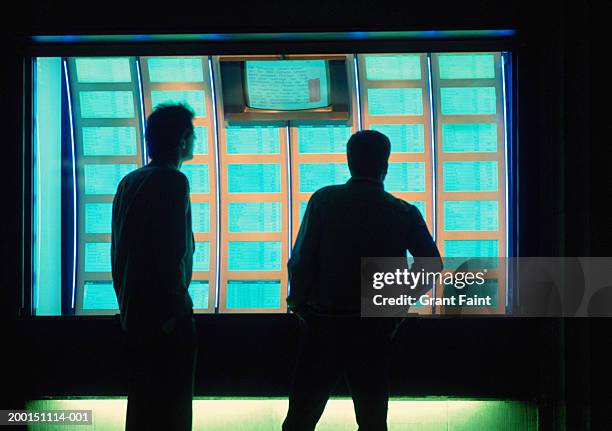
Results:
<point x="358" y="101"/>
<point x="145" y="155"/>
<point x="316" y="36"/>
<point x="289" y="200"/>
<point x="503" y="66"/>
<point x="37" y="199"/>
<point x="433" y="159"/>
<point x="74" y="185"/>
<point x="218" y="197"/>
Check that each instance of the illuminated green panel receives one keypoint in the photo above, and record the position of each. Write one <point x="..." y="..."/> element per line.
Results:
<point x="471" y="215"/>
<point x="104" y="179"/>
<point x="198" y="177"/>
<point x="303" y="206"/>
<point x="253" y="294"/>
<point x="421" y="206"/>
<point x="198" y="290"/>
<point x="287" y="84"/>
<point x="98" y="217"/>
<point x="47" y="168"/>
<point x="252" y="140"/>
<point x="99" y="295"/>
<point x="477" y="137"/>
<point x="200" y="216"/>
<point x="477" y="176"/>
<point x="254" y="178"/>
<point x="488" y="289"/>
<point x="254" y="216"/>
<point x="405" y="177"/>
<point x="175" y="70"/>
<point x="468" y="100"/>
<point x="109" y="141"/>
<point x="470" y="248"/>
<point x="103" y="70"/>
<point x="200" y="145"/>
<point x="393" y="67"/>
<point x="323" y="139"/>
<point x="479" y="253"/>
<point x="97" y="257"/>
<point x="395" y="101"/>
<point x="193" y="98"/>
<point x="313" y="176"/>
<point x="467" y="66"/>
<point x="201" y="256"/>
<point x="254" y="256"/>
<point x="107" y="104"/>
<point x="405" y="138"/>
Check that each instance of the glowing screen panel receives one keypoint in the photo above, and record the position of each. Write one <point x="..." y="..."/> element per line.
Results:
<point x="201" y="256"/>
<point x="109" y="141"/>
<point x="103" y="70"/>
<point x="395" y="101"/>
<point x="405" y="138"/>
<point x="392" y="67"/>
<point x="200" y="216"/>
<point x="253" y="178"/>
<point x="98" y="217"/>
<point x="193" y="98"/>
<point x="467" y="66"/>
<point x="175" y="69"/>
<point x="252" y="140"/>
<point x="200" y="146"/>
<point x="198" y="177"/>
<point x="468" y="100"/>
<point x="254" y="255"/>
<point x="97" y="257"/>
<point x="253" y="294"/>
<point x="323" y="139"/>
<point x="99" y="295"/>
<point x="405" y="177"/>
<point x="477" y="176"/>
<point x="287" y="85"/>
<point x="107" y="104"/>
<point x="104" y="179"/>
<point x="469" y="137"/>
<point x="471" y="248"/>
<point x="254" y="216"/>
<point x="313" y="176"/>
<point x="198" y="290"/>
<point x="473" y="215"/>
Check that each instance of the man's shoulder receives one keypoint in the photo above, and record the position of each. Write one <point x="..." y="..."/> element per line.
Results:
<point x="400" y="205"/>
<point x="163" y="174"/>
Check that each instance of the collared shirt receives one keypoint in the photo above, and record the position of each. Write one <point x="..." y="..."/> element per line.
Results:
<point x="341" y="224"/>
<point x="152" y="247"/>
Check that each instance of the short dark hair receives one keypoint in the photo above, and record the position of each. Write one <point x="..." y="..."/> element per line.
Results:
<point x="368" y="153"/>
<point x="166" y="126"/>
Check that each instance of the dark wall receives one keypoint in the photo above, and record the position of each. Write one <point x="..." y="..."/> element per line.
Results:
<point x="563" y="186"/>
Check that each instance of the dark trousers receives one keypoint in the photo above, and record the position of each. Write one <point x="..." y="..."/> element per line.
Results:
<point x="162" y="370"/>
<point x="357" y="348"/>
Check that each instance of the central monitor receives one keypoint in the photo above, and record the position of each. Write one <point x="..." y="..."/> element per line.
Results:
<point x="287" y="85"/>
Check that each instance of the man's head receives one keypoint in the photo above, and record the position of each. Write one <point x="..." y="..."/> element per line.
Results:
<point x="368" y="154"/>
<point x="170" y="133"/>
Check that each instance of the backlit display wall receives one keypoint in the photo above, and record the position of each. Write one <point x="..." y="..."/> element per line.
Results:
<point x="250" y="180"/>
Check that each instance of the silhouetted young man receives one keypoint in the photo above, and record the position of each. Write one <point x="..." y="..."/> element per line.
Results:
<point x="341" y="224"/>
<point x="152" y="256"/>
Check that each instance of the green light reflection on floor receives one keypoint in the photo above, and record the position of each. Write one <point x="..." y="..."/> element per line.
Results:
<point x="265" y="414"/>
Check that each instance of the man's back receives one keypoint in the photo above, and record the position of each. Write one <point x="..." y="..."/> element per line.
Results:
<point x="152" y="247"/>
<point x="342" y="224"/>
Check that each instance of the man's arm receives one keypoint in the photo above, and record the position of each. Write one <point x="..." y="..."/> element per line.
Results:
<point x="171" y="231"/>
<point x="422" y="247"/>
<point x="302" y="267"/>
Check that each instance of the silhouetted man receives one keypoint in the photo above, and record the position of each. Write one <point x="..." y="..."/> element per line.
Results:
<point x="152" y="258"/>
<point x="341" y="224"/>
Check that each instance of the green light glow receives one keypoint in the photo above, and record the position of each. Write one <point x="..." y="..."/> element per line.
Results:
<point x="264" y="414"/>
